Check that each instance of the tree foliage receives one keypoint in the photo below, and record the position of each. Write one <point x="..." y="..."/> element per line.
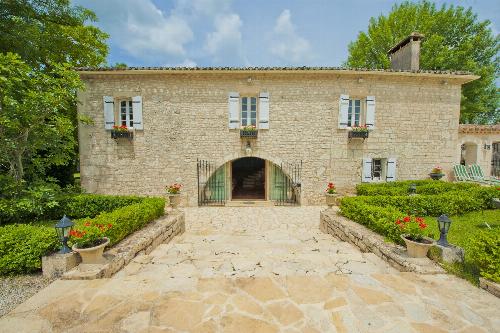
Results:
<point x="44" y="32"/>
<point x="454" y="40"/>
<point x="41" y="42"/>
<point x="35" y="131"/>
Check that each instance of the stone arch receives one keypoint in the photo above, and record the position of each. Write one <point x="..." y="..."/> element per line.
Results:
<point x="273" y="163"/>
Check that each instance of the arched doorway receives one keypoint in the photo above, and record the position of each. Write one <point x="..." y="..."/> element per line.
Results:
<point x="248" y="179"/>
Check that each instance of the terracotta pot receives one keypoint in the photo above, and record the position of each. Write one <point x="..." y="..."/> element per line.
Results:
<point x="92" y="255"/>
<point x="417" y="249"/>
<point x="332" y="199"/>
<point x="174" y="200"/>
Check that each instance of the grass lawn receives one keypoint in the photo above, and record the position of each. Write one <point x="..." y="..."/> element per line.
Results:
<point x="464" y="228"/>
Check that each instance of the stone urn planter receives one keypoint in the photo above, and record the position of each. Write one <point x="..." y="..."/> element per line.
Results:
<point x="92" y="255"/>
<point x="436" y="176"/>
<point x="332" y="199"/>
<point x="417" y="249"/>
<point x="174" y="200"/>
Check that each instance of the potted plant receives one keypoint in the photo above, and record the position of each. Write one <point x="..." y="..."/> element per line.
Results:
<point x="437" y="173"/>
<point x="121" y="132"/>
<point x="412" y="232"/>
<point x="331" y="195"/>
<point x="174" y="194"/>
<point x="89" y="241"/>
<point x="249" y="131"/>
<point x="358" y="132"/>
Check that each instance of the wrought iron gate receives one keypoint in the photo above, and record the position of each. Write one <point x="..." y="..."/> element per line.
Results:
<point x="211" y="184"/>
<point x="286" y="183"/>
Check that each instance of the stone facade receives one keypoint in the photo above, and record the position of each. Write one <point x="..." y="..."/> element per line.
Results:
<point x="185" y="118"/>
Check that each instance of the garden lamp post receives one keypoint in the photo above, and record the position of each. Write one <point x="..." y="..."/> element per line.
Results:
<point x="412" y="190"/>
<point x="444" y="225"/>
<point x="63" y="227"/>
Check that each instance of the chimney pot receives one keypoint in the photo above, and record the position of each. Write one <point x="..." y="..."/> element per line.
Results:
<point x="406" y="54"/>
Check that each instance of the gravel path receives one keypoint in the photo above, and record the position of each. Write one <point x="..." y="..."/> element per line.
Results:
<point x="15" y="290"/>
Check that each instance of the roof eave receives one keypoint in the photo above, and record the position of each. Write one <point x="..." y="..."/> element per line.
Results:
<point x="461" y="78"/>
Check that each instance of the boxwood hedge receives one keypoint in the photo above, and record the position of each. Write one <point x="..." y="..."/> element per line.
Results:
<point x="23" y="245"/>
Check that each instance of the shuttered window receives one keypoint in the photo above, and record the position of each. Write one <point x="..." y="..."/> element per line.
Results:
<point x="356" y="112"/>
<point x="378" y="169"/>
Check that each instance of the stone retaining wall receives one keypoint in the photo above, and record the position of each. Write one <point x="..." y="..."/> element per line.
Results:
<point x="368" y="241"/>
<point x="143" y="241"/>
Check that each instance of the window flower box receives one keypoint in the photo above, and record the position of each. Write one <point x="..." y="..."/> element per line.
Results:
<point x="119" y="132"/>
<point x="358" y="132"/>
<point x="248" y="132"/>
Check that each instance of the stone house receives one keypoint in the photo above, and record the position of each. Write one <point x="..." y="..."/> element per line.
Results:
<point x="185" y="125"/>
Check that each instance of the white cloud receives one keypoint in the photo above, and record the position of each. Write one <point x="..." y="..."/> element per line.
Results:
<point x="141" y="28"/>
<point x="187" y="63"/>
<point x="287" y="43"/>
<point x="225" y="43"/>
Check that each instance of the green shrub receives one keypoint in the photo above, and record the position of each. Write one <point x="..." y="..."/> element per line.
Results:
<point x="22" y="247"/>
<point x="27" y="209"/>
<point x="450" y="203"/>
<point x="131" y="218"/>
<point x="91" y="205"/>
<point x="485" y="253"/>
<point x="423" y="187"/>
<point x="379" y="219"/>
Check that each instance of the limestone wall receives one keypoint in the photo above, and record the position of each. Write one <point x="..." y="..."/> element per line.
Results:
<point x="185" y="117"/>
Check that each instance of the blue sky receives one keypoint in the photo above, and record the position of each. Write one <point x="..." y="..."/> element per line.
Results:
<point x="243" y="32"/>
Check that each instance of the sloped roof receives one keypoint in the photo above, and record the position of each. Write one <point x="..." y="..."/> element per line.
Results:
<point x="264" y="68"/>
<point x="479" y="129"/>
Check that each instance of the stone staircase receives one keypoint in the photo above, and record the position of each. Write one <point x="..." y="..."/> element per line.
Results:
<point x="253" y="180"/>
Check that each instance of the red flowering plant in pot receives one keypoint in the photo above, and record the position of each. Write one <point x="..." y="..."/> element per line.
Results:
<point x="173" y="193"/>
<point x="89" y="241"/>
<point x="436" y="173"/>
<point x="331" y="194"/>
<point x="413" y="231"/>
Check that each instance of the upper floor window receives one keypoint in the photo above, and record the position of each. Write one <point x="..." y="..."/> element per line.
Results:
<point x="354" y="113"/>
<point x="126" y="114"/>
<point x="248" y="111"/>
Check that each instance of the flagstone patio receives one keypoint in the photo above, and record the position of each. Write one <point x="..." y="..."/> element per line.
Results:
<point x="259" y="269"/>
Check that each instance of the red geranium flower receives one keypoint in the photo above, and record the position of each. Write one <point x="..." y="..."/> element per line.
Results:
<point x="407" y="219"/>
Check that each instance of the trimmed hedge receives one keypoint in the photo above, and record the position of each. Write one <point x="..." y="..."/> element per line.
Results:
<point x="423" y="187"/>
<point x="378" y="219"/>
<point x="23" y="245"/>
<point x="128" y="219"/>
<point x="485" y="252"/>
<point x="74" y="206"/>
<point x="449" y="203"/>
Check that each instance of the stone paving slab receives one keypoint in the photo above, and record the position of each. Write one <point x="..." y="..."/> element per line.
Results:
<point x="261" y="270"/>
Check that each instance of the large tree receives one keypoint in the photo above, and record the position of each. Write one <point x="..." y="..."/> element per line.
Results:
<point x="41" y="41"/>
<point x="454" y="40"/>
<point x="43" y="32"/>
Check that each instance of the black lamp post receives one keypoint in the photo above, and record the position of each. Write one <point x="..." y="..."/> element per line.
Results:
<point x="63" y="227"/>
<point x="412" y="190"/>
<point x="444" y="225"/>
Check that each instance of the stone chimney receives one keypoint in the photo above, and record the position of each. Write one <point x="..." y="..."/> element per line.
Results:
<point x="406" y="54"/>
